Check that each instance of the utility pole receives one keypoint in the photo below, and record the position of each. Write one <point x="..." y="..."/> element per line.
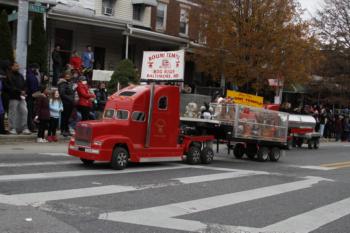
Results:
<point x="22" y="35"/>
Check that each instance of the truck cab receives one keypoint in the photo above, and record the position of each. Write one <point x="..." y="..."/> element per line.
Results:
<point x="133" y="131"/>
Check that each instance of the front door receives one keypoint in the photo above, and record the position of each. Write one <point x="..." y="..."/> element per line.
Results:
<point x="100" y="54"/>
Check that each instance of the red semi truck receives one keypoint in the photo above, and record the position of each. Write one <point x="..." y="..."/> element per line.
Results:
<point x="140" y="124"/>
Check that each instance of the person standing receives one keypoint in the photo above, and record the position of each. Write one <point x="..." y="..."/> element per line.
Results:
<point x="66" y="92"/>
<point x="56" y="107"/>
<point x="338" y="128"/>
<point x="85" y="99"/>
<point x="88" y="58"/>
<point x="42" y="111"/>
<point x="88" y="62"/>
<point x="18" y="112"/>
<point x="33" y="85"/>
<point x="57" y="64"/>
<point x="101" y="100"/>
<point x="4" y="66"/>
<point x="76" y="61"/>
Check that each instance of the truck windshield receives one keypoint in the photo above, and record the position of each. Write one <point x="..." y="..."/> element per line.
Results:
<point x="109" y="113"/>
<point x="122" y="114"/>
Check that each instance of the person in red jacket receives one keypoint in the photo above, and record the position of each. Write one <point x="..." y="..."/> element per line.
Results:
<point x="76" y="62"/>
<point x="85" y="98"/>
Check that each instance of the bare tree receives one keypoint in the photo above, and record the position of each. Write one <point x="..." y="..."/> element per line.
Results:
<point x="333" y="22"/>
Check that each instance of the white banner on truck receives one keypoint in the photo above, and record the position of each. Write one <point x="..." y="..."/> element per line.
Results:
<point x="163" y="65"/>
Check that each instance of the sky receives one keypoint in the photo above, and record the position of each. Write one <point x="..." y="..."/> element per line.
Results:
<point x="311" y="7"/>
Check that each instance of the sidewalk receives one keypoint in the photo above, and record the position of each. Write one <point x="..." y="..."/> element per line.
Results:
<point x="20" y="138"/>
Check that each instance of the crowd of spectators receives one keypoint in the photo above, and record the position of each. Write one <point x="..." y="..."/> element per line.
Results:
<point x="34" y="104"/>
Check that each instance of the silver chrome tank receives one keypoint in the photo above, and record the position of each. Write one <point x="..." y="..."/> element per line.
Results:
<point x="301" y="121"/>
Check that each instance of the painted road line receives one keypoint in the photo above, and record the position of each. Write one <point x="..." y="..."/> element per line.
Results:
<point x="65" y="174"/>
<point x="55" y="154"/>
<point x="312" y="220"/>
<point x="335" y="164"/>
<point x="37" y="199"/>
<point x="164" y="216"/>
<point x="38" y="163"/>
<point x="219" y="176"/>
<point x="339" y="165"/>
<point x="313" y="167"/>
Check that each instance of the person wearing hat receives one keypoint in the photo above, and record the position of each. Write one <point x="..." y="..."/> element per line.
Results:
<point x="85" y="98"/>
<point x="66" y="92"/>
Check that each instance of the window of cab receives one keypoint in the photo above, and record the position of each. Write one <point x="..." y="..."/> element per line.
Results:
<point x="109" y="114"/>
<point x="138" y="116"/>
<point x="122" y="114"/>
<point x="163" y="103"/>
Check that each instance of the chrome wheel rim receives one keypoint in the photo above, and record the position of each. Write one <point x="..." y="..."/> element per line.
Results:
<point x="122" y="159"/>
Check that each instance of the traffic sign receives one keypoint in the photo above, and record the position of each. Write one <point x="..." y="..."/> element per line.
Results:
<point x="37" y="8"/>
<point x="12" y="17"/>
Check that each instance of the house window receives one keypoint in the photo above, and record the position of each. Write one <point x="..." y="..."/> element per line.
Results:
<point x="184" y="22"/>
<point x="137" y="12"/>
<point x="107" y="7"/>
<point x="161" y="16"/>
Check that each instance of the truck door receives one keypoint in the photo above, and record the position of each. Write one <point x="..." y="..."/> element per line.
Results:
<point x="165" y="120"/>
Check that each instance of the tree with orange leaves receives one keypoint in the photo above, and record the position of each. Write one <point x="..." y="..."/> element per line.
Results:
<point x="249" y="41"/>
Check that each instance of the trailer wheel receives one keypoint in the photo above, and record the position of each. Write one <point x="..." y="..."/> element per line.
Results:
<point x="275" y="154"/>
<point x="87" y="162"/>
<point x="263" y="154"/>
<point x="316" y="144"/>
<point x="120" y="158"/>
<point x="309" y="144"/>
<point x="207" y="155"/>
<point x="239" y="150"/>
<point x="251" y="151"/>
<point x="194" y="155"/>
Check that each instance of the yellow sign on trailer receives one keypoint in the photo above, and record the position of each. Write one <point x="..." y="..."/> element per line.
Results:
<point x="246" y="99"/>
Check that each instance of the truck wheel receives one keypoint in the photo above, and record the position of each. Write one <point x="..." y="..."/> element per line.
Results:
<point x="238" y="151"/>
<point x="87" y="161"/>
<point x="194" y="155"/>
<point x="207" y="155"/>
<point x="309" y="144"/>
<point x="299" y="142"/>
<point x="263" y="154"/>
<point x="316" y="144"/>
<point x="119" y="158"/>
<point x="251" y="151"/>
<point x="275" y="154"/>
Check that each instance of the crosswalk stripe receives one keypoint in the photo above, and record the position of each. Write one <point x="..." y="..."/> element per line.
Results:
<point x="311" y="167"/>
<point x="219" y="176"/>
<point x="312" y="220"/>
<point x="164" y="216"/>
<point x="37" y="199"/>
<point x="65" y="174"/>
<point x="38" y="163"/>
<point x="55" y="154"/>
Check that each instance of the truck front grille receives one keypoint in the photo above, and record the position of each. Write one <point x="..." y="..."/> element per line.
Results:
<point x="83" y="136"/>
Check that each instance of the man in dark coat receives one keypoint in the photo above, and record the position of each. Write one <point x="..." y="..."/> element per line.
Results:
<point x="67" y="96"/>
<point x="57" y="64"/>
<point x="18" y="112"/>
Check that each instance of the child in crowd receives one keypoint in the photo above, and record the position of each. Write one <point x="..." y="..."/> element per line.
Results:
<point x="42" y="111"/>
<point x="56" y="107"/>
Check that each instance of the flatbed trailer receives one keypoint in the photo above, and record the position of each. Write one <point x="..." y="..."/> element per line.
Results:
<point x="255" y="132"/>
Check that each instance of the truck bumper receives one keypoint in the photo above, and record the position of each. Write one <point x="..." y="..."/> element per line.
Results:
<point x="97" y="154"/>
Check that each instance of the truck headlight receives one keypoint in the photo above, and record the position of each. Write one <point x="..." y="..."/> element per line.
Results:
<point x="97" y="143"/>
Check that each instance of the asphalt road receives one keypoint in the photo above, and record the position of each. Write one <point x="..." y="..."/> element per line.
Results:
<point x="43" y="190"/>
